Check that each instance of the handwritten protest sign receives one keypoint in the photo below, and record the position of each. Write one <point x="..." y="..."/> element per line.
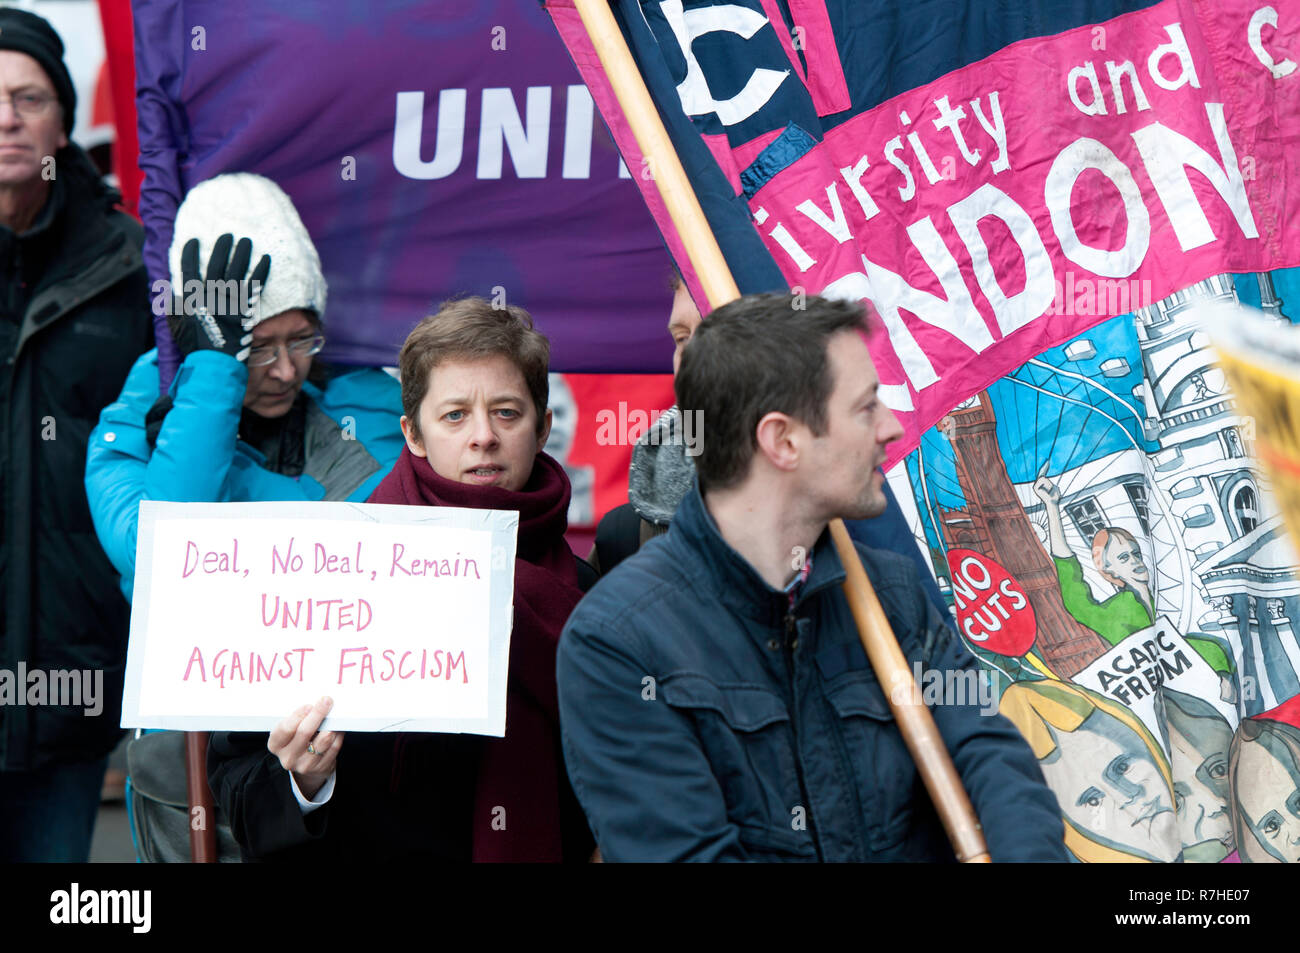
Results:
<point x="244" y="612"/>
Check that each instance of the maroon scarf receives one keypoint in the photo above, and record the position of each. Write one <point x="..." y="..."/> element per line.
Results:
<point x="520" y="772"/>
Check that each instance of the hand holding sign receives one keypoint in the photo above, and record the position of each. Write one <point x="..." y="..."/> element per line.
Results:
<point x="309" y="757"/>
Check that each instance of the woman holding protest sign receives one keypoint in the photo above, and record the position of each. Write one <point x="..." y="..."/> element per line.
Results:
<point x="474" y="396"/>
<point x="249" y="416"/>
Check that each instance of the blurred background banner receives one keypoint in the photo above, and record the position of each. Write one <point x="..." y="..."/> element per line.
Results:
<point x="431" y="149"/>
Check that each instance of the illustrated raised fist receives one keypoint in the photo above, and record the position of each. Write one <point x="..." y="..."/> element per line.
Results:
<point x="1045" y="489"/>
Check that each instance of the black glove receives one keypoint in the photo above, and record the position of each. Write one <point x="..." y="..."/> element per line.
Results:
<point x="225" y="327"/>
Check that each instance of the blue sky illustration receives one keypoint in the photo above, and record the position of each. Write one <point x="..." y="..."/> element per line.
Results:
<point x="1069" y="411"/>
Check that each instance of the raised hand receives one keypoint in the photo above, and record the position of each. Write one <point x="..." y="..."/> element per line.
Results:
<point x="217" y="307"/>
<point x="1045" y="489"/>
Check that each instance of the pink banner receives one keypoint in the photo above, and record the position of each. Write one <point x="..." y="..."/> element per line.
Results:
<point x="1019" y="201"/>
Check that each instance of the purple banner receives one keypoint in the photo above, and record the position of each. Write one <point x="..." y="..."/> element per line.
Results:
<point x="432" y="149"/>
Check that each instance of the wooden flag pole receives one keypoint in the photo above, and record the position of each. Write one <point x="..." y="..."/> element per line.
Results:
<point x="664" y="165"/>
<point x="914" y="720"/>
<point x="919" y="731"/>
<point x="203" y="829"/>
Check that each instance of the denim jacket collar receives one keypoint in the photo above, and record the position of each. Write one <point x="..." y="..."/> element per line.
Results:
<point x="736" y="582"/>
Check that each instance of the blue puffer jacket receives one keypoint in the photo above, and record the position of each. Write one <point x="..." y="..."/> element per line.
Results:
<point x="704" y="718"/>
<point x="353" y="439"/>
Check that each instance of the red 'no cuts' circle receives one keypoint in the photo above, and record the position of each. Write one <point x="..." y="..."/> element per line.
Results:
<point x="993" y="611"/>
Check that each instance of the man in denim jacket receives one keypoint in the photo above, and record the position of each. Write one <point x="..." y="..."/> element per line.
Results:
<point x="715" y="701"/>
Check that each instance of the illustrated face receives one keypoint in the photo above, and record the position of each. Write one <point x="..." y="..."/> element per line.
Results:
<point x="841" y="468"/>
<point x="1123" y="558"/>
<point x="1126" y="804"/>
<point x="25" y="141"/>
<point x="1200" y="773"/>
<point x="682" y="322"/>
<point x="478" y="424"/>
<point x="1270" y="799"/>
<point x="273" y="388"/>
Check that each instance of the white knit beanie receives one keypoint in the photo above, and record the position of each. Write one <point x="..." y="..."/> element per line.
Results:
<point x="252" y="206"/>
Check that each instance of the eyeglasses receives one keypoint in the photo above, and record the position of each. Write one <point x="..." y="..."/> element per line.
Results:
<point x="269" y="353"/>
<point x="29" y="104"/>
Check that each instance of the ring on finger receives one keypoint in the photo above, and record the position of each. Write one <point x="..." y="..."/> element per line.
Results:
<point x="311" y="748"/>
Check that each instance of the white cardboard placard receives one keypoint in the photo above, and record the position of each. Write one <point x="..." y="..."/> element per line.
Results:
<point x="244" y="612"/>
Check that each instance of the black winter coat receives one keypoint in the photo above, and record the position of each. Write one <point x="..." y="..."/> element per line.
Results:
<point x="74" y="316"/>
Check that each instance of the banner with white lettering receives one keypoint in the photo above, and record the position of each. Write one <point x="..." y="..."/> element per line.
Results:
<point x="1031" y="199"/>
<point x="245" y="611"/>
<point x="432" y="150"/>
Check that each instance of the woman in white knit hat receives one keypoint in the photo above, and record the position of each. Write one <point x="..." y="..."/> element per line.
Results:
<point x="241" y="421"/>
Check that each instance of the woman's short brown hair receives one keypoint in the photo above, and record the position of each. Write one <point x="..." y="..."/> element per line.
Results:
<point x="473" y="328"/>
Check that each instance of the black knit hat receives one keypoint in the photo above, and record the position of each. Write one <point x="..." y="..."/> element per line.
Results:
<point x="33" y="35"/>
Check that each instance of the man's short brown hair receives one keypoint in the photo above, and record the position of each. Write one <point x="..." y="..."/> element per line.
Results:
<point x="472" y="328"/>
<point x="752" y="356"/>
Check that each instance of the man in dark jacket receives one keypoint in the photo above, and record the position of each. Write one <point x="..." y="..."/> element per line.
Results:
<point x="716" y="702"/>
<point x="74" y="316"/>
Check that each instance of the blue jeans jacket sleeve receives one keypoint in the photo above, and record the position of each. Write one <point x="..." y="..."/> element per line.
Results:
<point x="1017" y="810"/>
<point x="679" y="813"/>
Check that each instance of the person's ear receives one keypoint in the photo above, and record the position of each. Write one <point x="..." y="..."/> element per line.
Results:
<point x="412" y="440"/>
<point x="778" y="440"/>
<point x="546" y="431"/>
